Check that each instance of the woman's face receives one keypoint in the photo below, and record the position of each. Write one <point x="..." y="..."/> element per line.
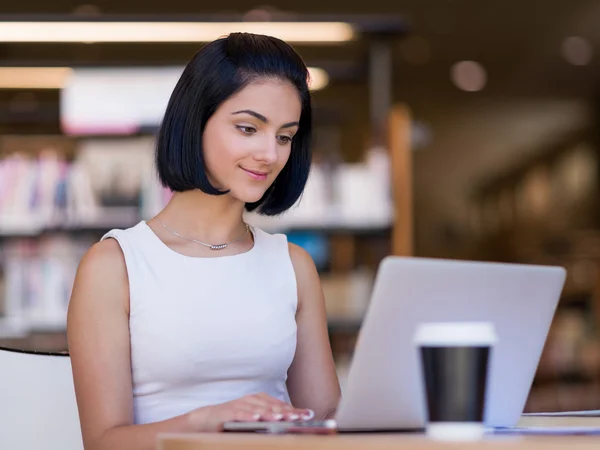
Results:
<point x="247" y="141"/>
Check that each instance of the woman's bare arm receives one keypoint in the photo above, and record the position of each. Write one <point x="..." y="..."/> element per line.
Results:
<point x="98" y="336"/>
<point x="312" y="378"/>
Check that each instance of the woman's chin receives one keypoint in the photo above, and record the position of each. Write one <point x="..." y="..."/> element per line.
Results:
<point x="249" y="197"/>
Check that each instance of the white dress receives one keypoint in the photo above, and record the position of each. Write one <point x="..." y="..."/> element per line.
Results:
<point x="207" y="330"/>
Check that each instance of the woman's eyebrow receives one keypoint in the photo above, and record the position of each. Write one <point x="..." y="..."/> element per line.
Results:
<point x="264" y="119"/>
<point x="252" y="113"/>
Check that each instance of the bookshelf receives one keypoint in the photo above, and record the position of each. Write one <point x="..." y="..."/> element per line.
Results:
<point x="74" y="189"/>
<point x="544" y="211"/>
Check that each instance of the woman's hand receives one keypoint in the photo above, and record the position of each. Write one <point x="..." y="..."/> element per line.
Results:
<point x="251" y="408"/>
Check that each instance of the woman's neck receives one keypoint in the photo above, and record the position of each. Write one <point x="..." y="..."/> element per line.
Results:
<point x="209" y="218"/>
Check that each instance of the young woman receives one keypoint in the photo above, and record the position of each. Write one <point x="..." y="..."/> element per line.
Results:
<point x="194" y="318"/>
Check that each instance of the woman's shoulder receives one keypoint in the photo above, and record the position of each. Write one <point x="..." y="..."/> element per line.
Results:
<point x="106" y="259"/>
<point x="103" y="259"/>
<point x="304" y="266"/>
<point x="101" y="279"/>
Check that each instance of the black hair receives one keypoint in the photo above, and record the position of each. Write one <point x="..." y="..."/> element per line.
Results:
<point x="219" y="70"/>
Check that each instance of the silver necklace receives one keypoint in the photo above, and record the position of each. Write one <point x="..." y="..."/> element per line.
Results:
<point x="211" y="246"/>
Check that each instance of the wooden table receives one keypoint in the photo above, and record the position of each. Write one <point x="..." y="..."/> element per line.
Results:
<point x="404" y="441"/>
<point x="236" y="441"/>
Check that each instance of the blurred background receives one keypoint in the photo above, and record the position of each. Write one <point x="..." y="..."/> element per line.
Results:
<point x="446" y="128"/>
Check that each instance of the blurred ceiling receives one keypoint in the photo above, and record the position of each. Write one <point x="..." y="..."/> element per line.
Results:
<point x="509" y="38"/>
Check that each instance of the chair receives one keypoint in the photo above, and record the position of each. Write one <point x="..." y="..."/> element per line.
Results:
<point x="37" y="402"/>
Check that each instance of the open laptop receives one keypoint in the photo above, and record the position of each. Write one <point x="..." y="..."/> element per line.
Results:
<point x="384" y="390"/>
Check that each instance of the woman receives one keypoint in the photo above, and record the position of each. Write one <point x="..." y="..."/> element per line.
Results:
<point x="193" y="318"/>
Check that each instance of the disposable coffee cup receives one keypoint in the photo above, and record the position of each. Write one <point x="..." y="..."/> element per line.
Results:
<point x="454" y="360"/>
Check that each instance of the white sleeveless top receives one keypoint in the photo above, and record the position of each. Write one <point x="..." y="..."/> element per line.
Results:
<point x="207" y="330"/>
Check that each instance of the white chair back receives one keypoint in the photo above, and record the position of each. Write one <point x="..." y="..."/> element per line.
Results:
<point x="37" y="402"/>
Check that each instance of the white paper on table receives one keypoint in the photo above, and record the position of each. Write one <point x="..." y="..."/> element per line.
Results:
<point x="588" y="413"/>
<point x="554" y="431"/>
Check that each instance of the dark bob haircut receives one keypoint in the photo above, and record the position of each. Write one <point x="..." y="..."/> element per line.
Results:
<point x="219" y="70"/>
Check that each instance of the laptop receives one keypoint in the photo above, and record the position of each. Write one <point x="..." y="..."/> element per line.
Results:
<point x="384" y="389"/>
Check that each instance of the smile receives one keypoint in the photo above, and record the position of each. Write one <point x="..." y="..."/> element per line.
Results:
<point x="256" y="175"/>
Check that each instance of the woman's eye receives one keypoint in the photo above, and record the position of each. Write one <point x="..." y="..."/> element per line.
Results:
<point x="246" y="130"/>
<point x="284" y="139"/>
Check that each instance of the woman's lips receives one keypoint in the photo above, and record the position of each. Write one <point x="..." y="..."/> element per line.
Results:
<point x="256" y="174"/>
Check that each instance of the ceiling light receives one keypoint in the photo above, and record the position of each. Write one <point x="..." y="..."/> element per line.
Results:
<point x="469" y="76"/>
<point x="577" y="51"/>
<point x="56" y="77"/>
<point x="33" y="77"/>
<point x="318" y="78"/>
<point x="309" y="32"/>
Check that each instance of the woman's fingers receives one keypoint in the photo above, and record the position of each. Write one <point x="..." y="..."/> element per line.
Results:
<point x="307" y="414"/>
<point x="243" y="415"/>
<point x="272" y="409"/>
<point x="262" y="413"/>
